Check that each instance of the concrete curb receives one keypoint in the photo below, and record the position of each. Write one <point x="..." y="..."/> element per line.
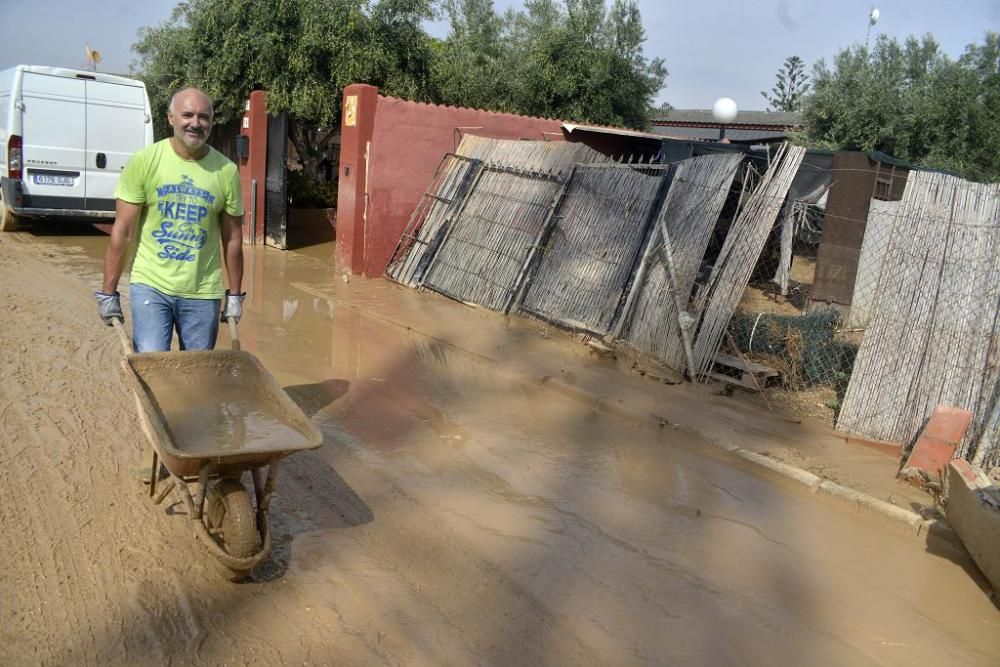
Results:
<point x="799" y="475"/>
<point x="863" y="503"/>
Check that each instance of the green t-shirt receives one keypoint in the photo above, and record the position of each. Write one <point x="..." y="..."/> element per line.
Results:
<point x="178" y="235"/>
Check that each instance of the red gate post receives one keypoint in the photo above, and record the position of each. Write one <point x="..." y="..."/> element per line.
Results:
<point x="253" y="166"/>
<point x="356" y="129"/>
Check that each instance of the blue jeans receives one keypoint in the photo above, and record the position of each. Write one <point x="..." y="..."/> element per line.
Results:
<point x="155" y="314"/>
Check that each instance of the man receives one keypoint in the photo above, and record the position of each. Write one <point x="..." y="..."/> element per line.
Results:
<point x="182" y="199"/>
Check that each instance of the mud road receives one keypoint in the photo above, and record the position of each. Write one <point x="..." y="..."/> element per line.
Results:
<point x="455" y="514"/>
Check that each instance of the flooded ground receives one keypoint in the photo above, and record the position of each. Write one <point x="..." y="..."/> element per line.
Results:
<point x="461" y="510"/>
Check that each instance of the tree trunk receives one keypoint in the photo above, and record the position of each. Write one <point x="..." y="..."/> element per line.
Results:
<point x="310" y="147"/>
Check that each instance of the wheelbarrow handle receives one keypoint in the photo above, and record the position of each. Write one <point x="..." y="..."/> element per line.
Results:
<point x="233" y="334"/>
<point x="119" y="325"/>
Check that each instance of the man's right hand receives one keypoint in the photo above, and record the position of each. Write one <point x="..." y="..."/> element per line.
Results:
<point x="109" y="307"/>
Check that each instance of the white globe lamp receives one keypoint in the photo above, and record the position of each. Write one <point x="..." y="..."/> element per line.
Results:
<point x="724" y="110"/>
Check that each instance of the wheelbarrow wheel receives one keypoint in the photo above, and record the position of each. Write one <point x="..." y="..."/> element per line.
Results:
<point x="229" y="518"/>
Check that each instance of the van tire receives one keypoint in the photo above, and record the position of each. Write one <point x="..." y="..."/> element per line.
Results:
<point x="8" y="221"/>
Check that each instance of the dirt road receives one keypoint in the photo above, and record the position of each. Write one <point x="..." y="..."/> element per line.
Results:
<point x="455" y="515"/>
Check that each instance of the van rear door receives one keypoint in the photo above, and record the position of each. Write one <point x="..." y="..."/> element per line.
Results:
<point x="54" y="126"/>
<point x="116" y="128"/>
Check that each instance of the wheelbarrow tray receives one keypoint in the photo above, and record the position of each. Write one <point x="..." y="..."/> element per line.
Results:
<point x="147" y="370"/>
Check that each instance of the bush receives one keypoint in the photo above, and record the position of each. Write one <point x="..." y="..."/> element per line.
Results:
<point x="304" y="191"/>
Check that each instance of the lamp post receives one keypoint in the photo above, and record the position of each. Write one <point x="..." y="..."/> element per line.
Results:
<point x="872" y="20"/>
<point x="724" y="111"/>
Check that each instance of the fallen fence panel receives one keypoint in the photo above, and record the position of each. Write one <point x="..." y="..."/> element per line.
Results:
<point x="488" y="241"/>
<point x="740" y="254"/>
<point x="698" y="191"/>
<point x="600" y="228"/>
<point x="427" y="223"/>
<point x="426" y="227"/>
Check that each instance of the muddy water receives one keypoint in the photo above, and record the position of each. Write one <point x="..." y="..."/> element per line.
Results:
<point x="468" y="509"/>
<point x="208" y="411"/>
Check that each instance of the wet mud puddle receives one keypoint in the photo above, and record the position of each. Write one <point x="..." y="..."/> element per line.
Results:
<point x="214" y="410"/>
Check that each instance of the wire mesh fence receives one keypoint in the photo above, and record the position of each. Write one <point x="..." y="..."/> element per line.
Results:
<point x="710" y="266"/>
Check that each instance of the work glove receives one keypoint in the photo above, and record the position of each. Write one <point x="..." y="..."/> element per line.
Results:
<point x="232" y="306"/>
<point x="109" y="307"/>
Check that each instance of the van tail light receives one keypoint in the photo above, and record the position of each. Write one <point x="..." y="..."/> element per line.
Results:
<point x="14" y="157"/>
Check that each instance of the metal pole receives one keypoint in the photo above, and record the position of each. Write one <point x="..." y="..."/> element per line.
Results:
<point x="253" y="211"/>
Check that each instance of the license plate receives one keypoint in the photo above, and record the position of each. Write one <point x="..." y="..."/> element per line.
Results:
<point x="49" y="179"/>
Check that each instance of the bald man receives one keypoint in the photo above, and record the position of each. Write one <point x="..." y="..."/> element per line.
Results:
<point x="180" y="201"/>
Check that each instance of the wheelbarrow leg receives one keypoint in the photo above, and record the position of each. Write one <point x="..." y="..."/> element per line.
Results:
<point x="263" y="487"/>
<point x="154" y="472"/>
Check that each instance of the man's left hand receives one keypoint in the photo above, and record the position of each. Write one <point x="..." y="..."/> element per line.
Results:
<point x="232" y="306"/>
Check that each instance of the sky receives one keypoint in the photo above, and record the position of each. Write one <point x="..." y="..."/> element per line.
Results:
<point x="712" y="48"/>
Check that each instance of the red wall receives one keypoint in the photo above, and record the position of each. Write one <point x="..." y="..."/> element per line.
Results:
<point x="387" y="159"/>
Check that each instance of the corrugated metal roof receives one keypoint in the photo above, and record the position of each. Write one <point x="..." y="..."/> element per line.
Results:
<point x="712" y="133"/>
<point x="704" y="116"/>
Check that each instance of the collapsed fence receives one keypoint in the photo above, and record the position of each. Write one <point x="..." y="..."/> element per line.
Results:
<point x="490" y="238"/>
<point x="706" y="266"/>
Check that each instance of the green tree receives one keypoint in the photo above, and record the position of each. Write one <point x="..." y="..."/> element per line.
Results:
<point x="914" y="102"/>
<point x="579" y="60"/>
<point x="303" y="52"/>
<point x="470" y="66"/>
<point x="791" y="86"/>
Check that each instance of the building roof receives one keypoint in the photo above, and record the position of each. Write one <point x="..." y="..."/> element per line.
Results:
<point x="576" y="127"/>
<point x="733" y="133"/>
<point x="769" y="120"/>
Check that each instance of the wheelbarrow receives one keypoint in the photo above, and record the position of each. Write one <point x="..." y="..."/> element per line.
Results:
<point x="211" y="416"/>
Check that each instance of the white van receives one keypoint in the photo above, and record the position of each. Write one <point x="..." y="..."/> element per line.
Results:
<point x="65" y="136"/>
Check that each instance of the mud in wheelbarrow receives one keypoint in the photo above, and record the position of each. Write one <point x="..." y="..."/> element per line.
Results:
<point x="211" y="416"/>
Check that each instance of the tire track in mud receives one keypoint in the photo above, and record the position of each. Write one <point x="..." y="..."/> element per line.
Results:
<point x="61" y="416"/>
<point x="92" y="572"/>
<point x="393" y="552"/>
<point x="80" y="582"/>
